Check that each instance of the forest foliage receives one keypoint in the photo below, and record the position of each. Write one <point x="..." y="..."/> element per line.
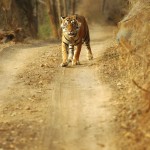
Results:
<point x="39" y="18"/>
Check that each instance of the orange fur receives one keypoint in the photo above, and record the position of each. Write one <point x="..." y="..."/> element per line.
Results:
<point x="75" y="32"/>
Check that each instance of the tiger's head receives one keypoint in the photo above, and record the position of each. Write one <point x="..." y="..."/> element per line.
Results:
<point x="70" y="26"/>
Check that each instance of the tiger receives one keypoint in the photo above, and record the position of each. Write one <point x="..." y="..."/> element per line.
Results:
<point x="75" y="32"/>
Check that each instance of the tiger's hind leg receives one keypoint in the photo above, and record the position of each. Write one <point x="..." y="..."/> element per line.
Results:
<point x="71" y="53"/>
<point x="89" y="51"/>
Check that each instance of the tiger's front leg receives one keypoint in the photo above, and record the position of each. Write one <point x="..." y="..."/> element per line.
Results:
<point x="71" y="53"/>
<point x="64" y="55"/>
<point x="77" y="55"/>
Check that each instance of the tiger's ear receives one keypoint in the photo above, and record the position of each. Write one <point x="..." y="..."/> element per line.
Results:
<point x="75" y="17"/>
<point x="62" y="18"/>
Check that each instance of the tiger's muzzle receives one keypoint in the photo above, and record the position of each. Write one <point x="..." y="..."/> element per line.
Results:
<point x="72" y="33"/>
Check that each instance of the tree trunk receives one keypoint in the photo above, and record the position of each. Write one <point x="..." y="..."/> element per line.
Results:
<point x="60" y="10"/>
<point x="36" y="16"/>
<point x="52" y="20"/>
<point x="6" y="7"/>
<point x="55" y="12"/>
<point x="103" y="6"/>
<point x="65" y="7"/>
<point x="73" y="6"/>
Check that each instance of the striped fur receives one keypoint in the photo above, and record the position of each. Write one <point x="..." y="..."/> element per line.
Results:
<point x="75" y="32"/>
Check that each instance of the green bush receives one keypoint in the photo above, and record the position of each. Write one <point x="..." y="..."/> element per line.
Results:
<point x="44" y="27"/>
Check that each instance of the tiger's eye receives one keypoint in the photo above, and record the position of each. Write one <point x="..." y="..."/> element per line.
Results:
<point x="65" y="23"/>
<point x="73" y="21"/>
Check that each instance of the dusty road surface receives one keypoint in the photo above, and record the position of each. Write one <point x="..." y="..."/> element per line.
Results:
<point x="46" y="107"/>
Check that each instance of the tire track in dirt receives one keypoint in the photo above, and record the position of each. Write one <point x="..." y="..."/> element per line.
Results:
<point x="26" y="72"/>
<point x="11" y="60"/>
<point x="81" y="115"/>
<point x="81" y="112"/>
<point x="73" y="112"/>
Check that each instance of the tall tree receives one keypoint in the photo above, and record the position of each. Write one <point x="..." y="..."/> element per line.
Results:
<point x="73" y="6"/>
<point x="52" y="19"/>
<point x="55" y="12"/>
<point x="59" y="9"/>
<point x="103" y="6"/>
<point x="6" y="7"/>
<point x="28" y="7"/>
<point x="65" y="8"/>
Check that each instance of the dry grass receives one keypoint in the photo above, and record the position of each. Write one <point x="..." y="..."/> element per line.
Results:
<point x="134" y="53"/>
<point x="127" y="67"/>
<point x="136" y="46"/>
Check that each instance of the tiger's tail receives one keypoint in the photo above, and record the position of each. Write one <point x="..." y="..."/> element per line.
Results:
<point x="87" y="43"/>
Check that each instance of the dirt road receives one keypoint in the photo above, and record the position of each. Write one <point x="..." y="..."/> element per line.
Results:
<point x="46" y="107"/>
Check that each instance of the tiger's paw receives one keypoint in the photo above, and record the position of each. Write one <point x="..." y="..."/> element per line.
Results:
<point x="69" y="60"/>
<point x="89" y="56"/>
<point x="64" y="64"/>
<point x="75" y="63"/>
